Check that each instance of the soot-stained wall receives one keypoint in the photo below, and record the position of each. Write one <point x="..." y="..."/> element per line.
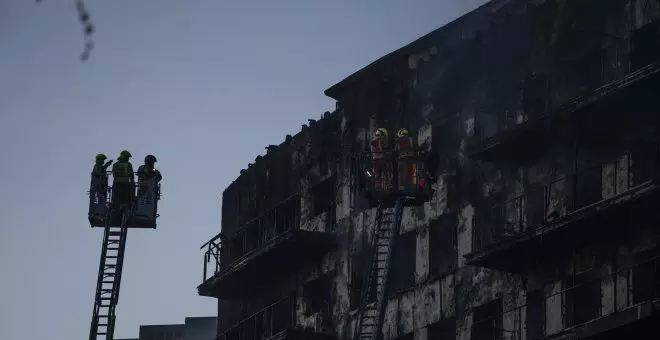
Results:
<point x="499" y="65"/>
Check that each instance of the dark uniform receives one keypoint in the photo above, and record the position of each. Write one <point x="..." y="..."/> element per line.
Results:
<point x="123" y="182"/>
<point x="145" y="173"/>
<point x="99" y="172"/>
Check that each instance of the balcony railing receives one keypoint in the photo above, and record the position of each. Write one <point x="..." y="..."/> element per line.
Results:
<point x="565" y="310"/>
<point x="548" y="204"/>
<point x="223" y="251"/>
<point x="488" y="126"/>
<point x="265" y="323"/>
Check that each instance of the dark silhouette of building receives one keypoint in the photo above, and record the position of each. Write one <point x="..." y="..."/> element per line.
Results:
<point x="541" y="119"/>
<point x="194" y="328"/>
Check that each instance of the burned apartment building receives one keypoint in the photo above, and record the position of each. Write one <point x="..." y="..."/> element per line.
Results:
<point x="539" y="120"/>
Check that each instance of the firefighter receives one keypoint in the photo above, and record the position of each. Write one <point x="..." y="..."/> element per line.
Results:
<point x="381" y="162"/>
<point x="123" y="181"/>
<point x="100" y="175"/>
<point x="146" y="172"/>
<point x="406" y="160"/>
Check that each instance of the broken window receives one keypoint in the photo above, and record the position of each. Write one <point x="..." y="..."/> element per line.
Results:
<point x="402" y="263"/>
<point x="646" y="275"/>
<point x="535" y="95"/>
<point x="287" y="215"/>
<point x="646" y="45"/>
<point x="318" y="294"/>
<point x="323" y="196"/>
<point x="360" y="266"/>
<point x="487" y="324"/>
<point x="582" y="298"/>
<point x="535" y="314"/>
<point x="443" y="257"/>
<point x="442" y="330"/>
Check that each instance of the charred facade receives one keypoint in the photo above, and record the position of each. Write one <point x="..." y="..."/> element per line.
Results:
<point x="540" y="123"/>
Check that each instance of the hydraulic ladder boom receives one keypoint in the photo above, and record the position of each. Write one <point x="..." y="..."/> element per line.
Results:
<point x="109" y="279"/>
<point x="370" y="316"/>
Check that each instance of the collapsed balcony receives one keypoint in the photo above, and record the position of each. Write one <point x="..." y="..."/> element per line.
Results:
<point x="622" y="304"/>
<point x="515" y="234"/>
<point x="262" y="250"/>
<point x="277" y="321"/>
<point x="512" y="137"/>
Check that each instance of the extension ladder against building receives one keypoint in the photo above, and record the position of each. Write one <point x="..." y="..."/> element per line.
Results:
<point x="109" y="278"/>
<point x="371" y="315"/>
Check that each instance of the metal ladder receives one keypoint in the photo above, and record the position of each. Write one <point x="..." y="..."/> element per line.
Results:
<point x="109" y="278"/>
<point x="370" y="316"/>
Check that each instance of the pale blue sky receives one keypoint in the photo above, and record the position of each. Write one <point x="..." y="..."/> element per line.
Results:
<point x="204" y="85"/>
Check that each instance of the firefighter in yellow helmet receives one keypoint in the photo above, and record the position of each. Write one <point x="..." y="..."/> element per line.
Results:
<point x="123" y="181"/>
<point x="100" y="178"/>
<point x="406" y="161"/>
<point x="381" y="162"/>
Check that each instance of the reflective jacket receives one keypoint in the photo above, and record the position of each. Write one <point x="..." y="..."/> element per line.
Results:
<point x="378" y="146"/>
<point x="122" y="172"/>
<point x="404" y="147"/>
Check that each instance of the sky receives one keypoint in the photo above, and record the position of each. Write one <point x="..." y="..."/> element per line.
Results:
<point x="205" y="85"/>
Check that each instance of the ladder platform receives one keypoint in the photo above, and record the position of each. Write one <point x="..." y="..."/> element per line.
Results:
<point x="412" y="196"/>
<point x="136" y="222"/>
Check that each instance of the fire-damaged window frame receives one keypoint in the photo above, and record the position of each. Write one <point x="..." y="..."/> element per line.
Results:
<point x="443" y="245"/>
<point x="324" y="198"/>
<point x="402" y="263"/>
<point x="582" y="290"/>
<point x="359" y="264"/>
<point x="444" y="329"/>
<point x="646" y="275"/>
<point x="488" y="321"/>
<point x="318" y="294"/>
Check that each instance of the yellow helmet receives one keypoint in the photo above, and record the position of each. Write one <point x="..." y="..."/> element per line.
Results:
<point x="101" y="157"/>
<point x="125" y="154"/>
<point x="381" y="132"/>
<point x="402" y="132"/>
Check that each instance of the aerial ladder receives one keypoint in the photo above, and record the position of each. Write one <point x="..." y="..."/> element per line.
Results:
<point x="109" y="278"/>
<point x="142" y="214"/>
<point x="371" y="315"/>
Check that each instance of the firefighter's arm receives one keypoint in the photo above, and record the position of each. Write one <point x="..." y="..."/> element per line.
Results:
<point x="159" y="177"/>
<point x="107" y="165"/>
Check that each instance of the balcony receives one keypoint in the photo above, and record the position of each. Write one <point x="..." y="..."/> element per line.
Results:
<point x="510" y="138"/>
<point x="275" y="322"/>
<point x="263" y="250"/>
<point x="593" y="201"/>
<point x="622" y="304"/>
